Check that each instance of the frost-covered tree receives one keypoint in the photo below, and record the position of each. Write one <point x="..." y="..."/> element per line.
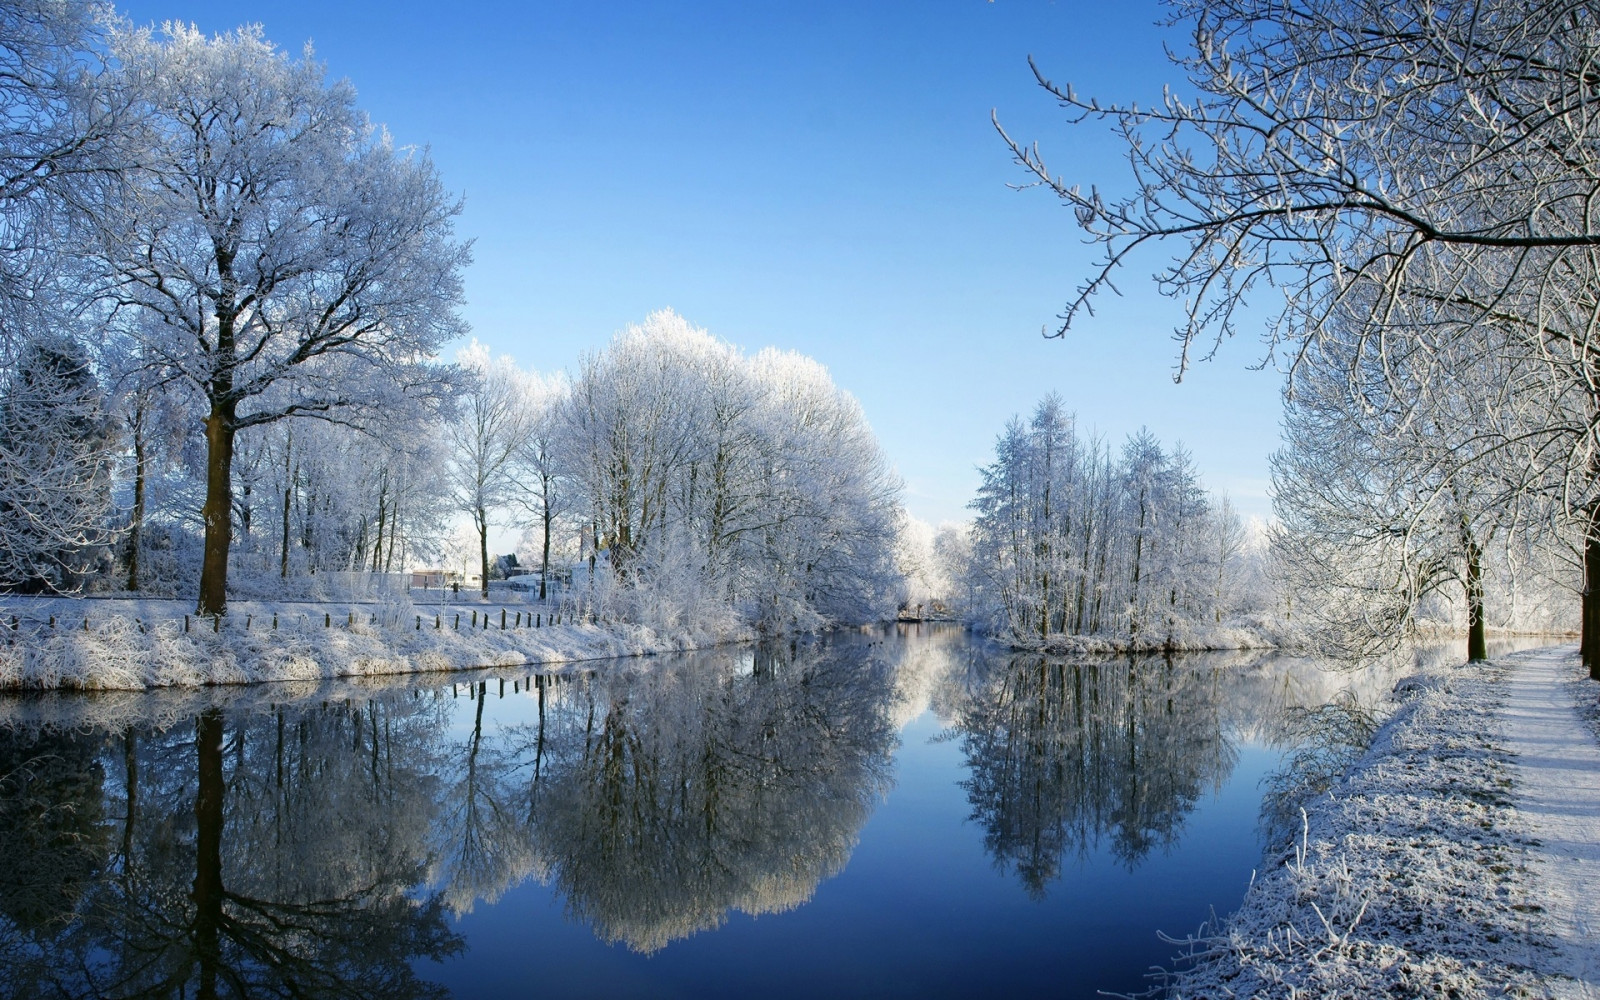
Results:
<point x="710" y="480"/>
<point x="1068" y="540"/>
<point x="335" y="497"/>
<point x="1294" y="171"/>
<point x="155" y="414"/>
<point x="1393" y="486"/>
<point x="820" y="541"/>
<point x="543" y="463"/>
<point x="485" y="441"/>
<point x="57" y="454"/>
<point x="63" y="127"/>
<point x="271" y="244"/>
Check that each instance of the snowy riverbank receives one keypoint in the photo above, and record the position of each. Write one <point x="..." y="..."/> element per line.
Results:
<point x="1424" y="871"/>
<point x="1180" y="637"/>
<point x="137" y="645"/>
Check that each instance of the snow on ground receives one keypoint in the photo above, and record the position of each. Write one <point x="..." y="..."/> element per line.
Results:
<point x="1179" y="637"/>
<point x="141" y="644"/>
<point x="1451" y="860"/>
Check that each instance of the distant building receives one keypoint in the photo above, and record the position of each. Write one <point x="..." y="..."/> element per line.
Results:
<point x="434" y="579"/>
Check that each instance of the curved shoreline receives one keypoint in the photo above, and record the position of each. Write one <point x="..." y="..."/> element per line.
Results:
<point x="1416" y="875"/>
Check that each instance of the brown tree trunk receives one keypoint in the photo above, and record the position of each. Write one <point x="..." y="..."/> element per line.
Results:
<point x="544" y="564"/>
<point x="218" y="510"/>
<point x="288" y="496"/>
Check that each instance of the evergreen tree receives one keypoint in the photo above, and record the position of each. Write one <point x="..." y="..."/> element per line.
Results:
<point x="56" y="443"/>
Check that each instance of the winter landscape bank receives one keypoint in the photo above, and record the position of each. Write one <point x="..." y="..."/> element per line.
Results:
<point x="136" y="645"/>
<point x="1456" y="858"/>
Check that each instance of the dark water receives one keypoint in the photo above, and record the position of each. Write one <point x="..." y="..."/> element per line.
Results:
<point x="905" y="814"/>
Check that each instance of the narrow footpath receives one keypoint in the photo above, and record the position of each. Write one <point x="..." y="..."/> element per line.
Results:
<point x="1459" y="857"/>
<point x="1556" y="788"/>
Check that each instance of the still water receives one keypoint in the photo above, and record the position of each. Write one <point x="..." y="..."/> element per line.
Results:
<point x="910" y="813"/>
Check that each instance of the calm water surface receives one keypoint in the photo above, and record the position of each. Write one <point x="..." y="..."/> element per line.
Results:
<point x="910" y="813"/>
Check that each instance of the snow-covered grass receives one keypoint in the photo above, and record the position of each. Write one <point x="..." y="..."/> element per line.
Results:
<point x="141" y="644"/>
<point x="1409" y="878"/>
<point x="1177" y="637"/>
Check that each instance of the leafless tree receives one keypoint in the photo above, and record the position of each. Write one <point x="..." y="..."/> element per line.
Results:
<point x="1429" y="171"/>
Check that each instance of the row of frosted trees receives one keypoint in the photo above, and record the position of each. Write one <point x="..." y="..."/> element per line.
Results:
<point x="689" y="480"/>
<point x="1408" y="497"/>
<point x="709" y="479"/>
<point x="1070" y="538"/>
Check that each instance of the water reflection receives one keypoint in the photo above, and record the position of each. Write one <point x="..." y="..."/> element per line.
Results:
<point x="317" y="849"/>
<point x="1064" y="754"/>
<point x="254" y="856"/>
<point x="320" y="841"/>
<point x="668" y="799"/>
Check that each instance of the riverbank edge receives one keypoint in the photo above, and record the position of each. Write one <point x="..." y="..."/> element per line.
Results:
<point x="1410" y="877"/>
<point x="142" y="652"/>
<point x="1186" y="638"/>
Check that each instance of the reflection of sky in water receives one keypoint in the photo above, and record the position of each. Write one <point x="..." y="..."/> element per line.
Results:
<point x="920" y="910"/>
<point x="915" y="814"/>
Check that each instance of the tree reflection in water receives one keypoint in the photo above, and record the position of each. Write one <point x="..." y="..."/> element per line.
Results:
<point x="255" y="856"/>
<point x="1065" y="755"/>
<point x="320" y="846"/>
<point x="319" y="850"/>
<point x="667" y="798"/>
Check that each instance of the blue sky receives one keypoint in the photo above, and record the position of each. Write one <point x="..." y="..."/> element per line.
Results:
<point x="818" y="176"/>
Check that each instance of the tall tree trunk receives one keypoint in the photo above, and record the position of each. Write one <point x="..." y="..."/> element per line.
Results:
<point x="283" y="555"/>
<point x="377" y="548"/>
<point x="218" y="510"/>
<point x="1138" y="559"/>
<point x="1590" y="643"/>
<point x="1477" y="640"/>
<point x="136" y="522"/>
<point x="288" y="496"/>
<point x="483" y="546"/>
<point x="394" y="534"/>
<point x="544" y="563"/>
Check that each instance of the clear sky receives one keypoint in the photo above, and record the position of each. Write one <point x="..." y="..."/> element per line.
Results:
<point x="820" y="176"/>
